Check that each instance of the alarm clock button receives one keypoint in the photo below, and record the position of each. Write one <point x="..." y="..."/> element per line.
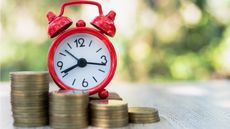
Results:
<point x="80" y="23"/>
<point x="103" y="94"/>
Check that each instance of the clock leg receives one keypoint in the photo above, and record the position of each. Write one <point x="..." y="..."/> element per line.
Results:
<point x="103" y="94"/>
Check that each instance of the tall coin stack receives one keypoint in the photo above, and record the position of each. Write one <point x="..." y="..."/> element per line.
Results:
<point x="29" y="98"/>
<point x="108" y="113"/>
<point x="68" y="109"/>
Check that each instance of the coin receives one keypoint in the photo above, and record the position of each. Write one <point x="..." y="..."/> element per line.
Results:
<point x="20" y="124"/>
<point x="108" y="104"/>
<point x="30" y="114"/>
<point x="29" y="73"/>
<point x="61" y="125"/>
<point x="110" y="123"/>
<point x="142" y="110"/>
<point x="143" y="115"/>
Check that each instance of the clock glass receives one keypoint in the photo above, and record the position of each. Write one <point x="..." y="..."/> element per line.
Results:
<point x="82" y="61"/>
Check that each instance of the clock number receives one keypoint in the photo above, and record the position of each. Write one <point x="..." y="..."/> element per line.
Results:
<point x="80" y="42"/>
<point x="104" y="60"/>
<point x="84" y="83"/>
<point x="60" y="64"/>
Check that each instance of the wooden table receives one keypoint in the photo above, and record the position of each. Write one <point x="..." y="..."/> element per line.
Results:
<point x="182" y="105"/>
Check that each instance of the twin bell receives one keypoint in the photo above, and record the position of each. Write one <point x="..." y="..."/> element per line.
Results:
<point x="58" y="24"/>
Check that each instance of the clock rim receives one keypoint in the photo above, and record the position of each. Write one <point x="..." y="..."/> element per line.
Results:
<point x="98" y="34"/>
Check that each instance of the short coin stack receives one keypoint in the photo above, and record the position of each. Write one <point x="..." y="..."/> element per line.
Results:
<point x="143" y="115"/>
<point x="68" y="109"/>
<point x="108" y="113"/>
<point x="29" y="98"/>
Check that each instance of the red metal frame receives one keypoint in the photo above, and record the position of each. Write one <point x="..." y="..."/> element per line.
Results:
<point x="104" y="39"/>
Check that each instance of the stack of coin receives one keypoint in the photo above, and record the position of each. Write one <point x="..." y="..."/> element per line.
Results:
<point x="68" y="109"/>
<point x="29" y="98"/>
<point x="112" y="95"/>
<point x="108" y="113"/>
<point x="143" y="115"/>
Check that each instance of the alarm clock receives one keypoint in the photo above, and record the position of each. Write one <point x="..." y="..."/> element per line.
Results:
<point x="82" y="58"/>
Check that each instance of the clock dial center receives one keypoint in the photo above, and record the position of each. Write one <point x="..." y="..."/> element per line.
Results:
<point x="82" y="62"/>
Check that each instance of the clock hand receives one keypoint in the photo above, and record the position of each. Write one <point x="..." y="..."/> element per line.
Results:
<point x="70" y="68"/>
<point x="71" y="54"/>
<point x="96" y="63"/>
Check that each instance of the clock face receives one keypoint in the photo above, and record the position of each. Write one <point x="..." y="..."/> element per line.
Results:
<point x="82" y="61"/>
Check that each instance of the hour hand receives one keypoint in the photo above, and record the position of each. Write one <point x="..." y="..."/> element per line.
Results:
<point x="93" y="63"/>
<point x="70" y="68"/>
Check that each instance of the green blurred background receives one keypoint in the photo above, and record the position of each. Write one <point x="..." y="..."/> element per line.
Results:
<point x="156" y="40"/>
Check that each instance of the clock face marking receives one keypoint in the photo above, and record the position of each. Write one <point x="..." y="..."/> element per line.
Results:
<point x="81" y="68"/>
<point x="94" y="79"/>
<point x="69" y="45"/>
<point x="74" y="81"/>
<point x="98" y="50"/>
<point x="64" y="75"/>
<point x="90" y="43"/>
<point x="62" y="54"/>
<point x="101" y="70"/>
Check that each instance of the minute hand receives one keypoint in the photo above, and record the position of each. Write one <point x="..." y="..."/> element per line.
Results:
<point x="92" y="63"/>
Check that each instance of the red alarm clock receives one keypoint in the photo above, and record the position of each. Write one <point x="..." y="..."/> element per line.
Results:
<point x="82" y="58"/>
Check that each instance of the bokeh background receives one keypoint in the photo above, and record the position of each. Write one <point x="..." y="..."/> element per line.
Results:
<point x="156" y="40"/>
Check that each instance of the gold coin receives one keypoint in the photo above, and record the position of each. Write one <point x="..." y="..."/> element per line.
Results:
<point x="108" y="104"/>
<point x="29" y="89"/>
<point x="67" y="109"/>
<point x="31" y="100"/>
<point x="27" y="97"/>
<point x="60" y="125"/>
<point x="51" y="111"/>
<point x="29" y="80"/>
<point x="108" y="113"/>
<point x="114" y="125"/>
<point x="33" y="110"/>
<point x="109" y="123"/>
<point x="29" y="124"/>
<point x="76" y="101"/>
<point x="30" y="120"/>
<point x="30" y="104"/>
<point x="80" y="114"/>
<point x="94" y="116"/>
<point x="29" y="92"/>
<point x="142" y="110"/>
<point x="29" y="86"/>
<point x="144" y="121"/>
<point x="109" y="120"/>
<point x="143" y="118"/>
<point x="29" y="73"/>
<point x="69" y="120"/>
<point x="30" y="114"/>
<point x="68" y="94"/>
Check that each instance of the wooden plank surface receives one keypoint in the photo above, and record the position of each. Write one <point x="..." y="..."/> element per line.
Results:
<point x="182" y="105"/>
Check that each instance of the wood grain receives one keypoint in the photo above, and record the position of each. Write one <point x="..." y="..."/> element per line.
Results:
<point x="181" y="105"/>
